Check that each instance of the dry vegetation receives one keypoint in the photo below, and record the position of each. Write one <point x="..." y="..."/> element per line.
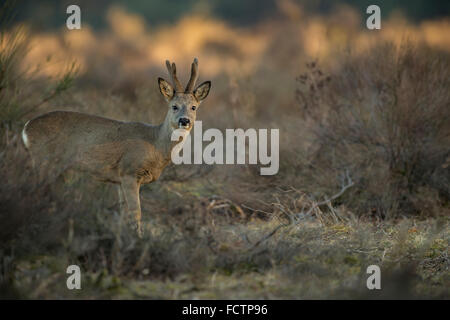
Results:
<point x="365" y="111"/>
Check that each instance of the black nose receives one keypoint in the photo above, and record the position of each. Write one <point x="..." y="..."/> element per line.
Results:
<point x="184" y="121"/>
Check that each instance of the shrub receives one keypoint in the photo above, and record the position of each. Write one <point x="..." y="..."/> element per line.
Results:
<point x="384" y="114"/>
<point x="21" y="90"/>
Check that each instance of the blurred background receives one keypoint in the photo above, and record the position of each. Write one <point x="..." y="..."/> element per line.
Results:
<point x="46" y="14"/>
<point x="130" y="37"/>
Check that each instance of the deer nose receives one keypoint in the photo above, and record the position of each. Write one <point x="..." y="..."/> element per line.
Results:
<point x="184" y="122"/>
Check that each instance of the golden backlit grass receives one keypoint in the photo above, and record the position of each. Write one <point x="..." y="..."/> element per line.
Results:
<point x="220" y="47"/>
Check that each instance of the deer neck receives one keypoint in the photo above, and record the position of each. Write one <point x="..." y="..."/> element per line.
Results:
<point x="164" y="141"/>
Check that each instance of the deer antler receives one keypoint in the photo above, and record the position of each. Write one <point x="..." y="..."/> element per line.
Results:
<point x="173" y="74"/>
<point x="194" y="76"/>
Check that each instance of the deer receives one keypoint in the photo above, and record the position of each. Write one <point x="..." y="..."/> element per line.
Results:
<point x="128" y="154"/>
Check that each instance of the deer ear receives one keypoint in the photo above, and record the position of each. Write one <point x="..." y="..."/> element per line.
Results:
<point x="166" y="89"/>
<point x="202" y="90"/>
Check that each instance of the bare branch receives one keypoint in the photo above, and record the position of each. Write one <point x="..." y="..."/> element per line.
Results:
<point x="347" y="183"/>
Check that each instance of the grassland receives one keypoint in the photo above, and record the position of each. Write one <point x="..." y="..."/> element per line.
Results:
<point x="350" y="104"/>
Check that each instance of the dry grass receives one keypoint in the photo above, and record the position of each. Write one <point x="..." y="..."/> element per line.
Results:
<point x="382" y="116"/>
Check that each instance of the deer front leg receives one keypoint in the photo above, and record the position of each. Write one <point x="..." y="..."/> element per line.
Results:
<point x="130" y="191"/>
<point x="122" y="202"/>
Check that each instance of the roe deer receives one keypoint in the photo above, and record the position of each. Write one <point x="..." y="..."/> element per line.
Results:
<point x="125" y="153"/>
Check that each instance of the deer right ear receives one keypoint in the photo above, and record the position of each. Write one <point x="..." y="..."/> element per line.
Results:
<point x="202" y="90"/>
<point x="166" y="89"/>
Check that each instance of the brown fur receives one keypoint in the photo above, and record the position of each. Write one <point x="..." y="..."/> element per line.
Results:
<point x="125" y="153"/>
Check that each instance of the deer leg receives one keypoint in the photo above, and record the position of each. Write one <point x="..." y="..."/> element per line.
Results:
<point x="121" y="200"/>
<point x="130" y="190"/>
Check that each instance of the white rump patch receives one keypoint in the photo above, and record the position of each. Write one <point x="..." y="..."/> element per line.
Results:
<point x="26" y="142"/>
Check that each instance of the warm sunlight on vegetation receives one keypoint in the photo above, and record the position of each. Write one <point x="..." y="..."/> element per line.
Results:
<point x="373" y="106"/>
<point x="222" y="48"/>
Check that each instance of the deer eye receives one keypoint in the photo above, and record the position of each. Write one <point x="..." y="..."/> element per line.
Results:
<point x="193" y="108"/>
<point x="174" y="108"/>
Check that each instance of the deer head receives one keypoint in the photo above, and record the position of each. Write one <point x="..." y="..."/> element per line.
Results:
<point x="183" y="104"/>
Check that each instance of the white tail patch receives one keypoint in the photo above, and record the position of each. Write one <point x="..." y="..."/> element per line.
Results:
<point x="26" y="142"/>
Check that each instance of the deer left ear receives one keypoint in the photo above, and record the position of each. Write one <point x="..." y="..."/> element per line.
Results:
<point x="202" y="90"/>
<point x="166" y="89"/>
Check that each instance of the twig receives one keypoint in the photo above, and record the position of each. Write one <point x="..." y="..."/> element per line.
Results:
<point x="349" y="183"/>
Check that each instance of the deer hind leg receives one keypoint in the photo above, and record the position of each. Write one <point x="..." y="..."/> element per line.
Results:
<point x="130" y="191"/>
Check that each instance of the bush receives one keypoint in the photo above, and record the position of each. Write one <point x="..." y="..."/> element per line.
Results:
<point x="22" y="92"/>
<point x="384" y="114"/>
